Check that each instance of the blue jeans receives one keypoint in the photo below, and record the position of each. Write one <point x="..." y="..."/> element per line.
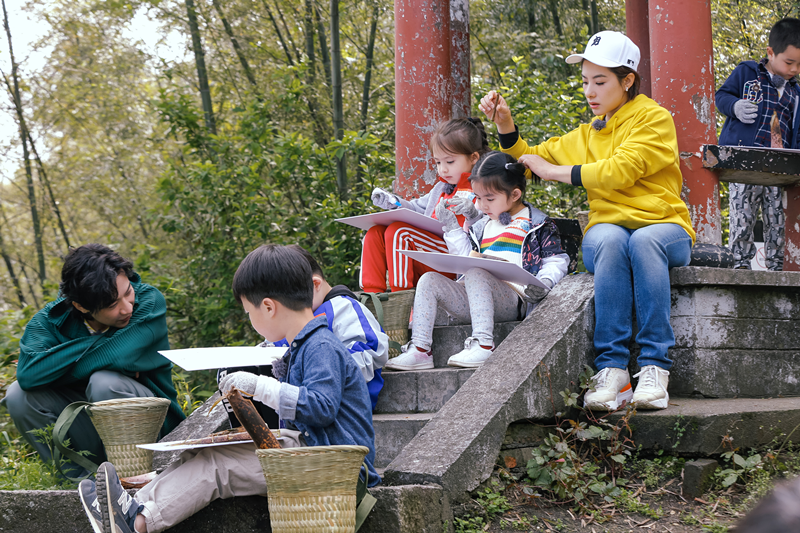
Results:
<point x="631" y="267"/>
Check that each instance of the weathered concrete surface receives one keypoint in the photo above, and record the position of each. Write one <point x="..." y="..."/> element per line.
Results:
<point x="695" y="427"/>
<point x="697" y="477"/>
<point x="409" y="509"/>
<point x="449" y="340"/>
<point x="543" y="355"/>
<point x="399" y="510"/>
<point x="201" y="423"/>
<point x="727" y="324"/>
<point x="393" y="432"/>
<point x="419" y="391"/>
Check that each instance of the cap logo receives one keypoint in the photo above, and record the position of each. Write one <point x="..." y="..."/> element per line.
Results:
<point x="630" y="61"/>
<point x="596" y="41"/>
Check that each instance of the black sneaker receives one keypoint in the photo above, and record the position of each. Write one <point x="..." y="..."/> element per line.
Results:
<point x="88" y="493"/>
<point x="118" y="508"/>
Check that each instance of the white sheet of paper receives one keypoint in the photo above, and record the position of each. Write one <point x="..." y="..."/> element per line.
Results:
<point x="179" y="445"/>
<point x="223" y="357"/>
<point x="401" y="214"/>
<point x="458" y="264"/>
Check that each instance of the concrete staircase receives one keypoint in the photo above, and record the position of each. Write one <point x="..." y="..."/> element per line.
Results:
<point x="409" y="399"/>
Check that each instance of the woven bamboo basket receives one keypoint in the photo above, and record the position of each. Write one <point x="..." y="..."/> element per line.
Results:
<point x="396" y="314"/>
<point x="125" y="422"/>
<point x="312" y="489"/>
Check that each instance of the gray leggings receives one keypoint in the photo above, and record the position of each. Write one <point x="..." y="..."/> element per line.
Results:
<point x="479" y="298"/>
<point x="38" y="409"/>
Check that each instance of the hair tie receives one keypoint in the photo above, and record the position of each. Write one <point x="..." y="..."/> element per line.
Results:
<point x="508" y="166"/>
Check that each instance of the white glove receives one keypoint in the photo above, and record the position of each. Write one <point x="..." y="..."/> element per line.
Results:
<point x="384" y="199"/>
<point x="244" y="381"/>
<point x="746" y="111"/>
<point x="268" y="391"/>
<point x="461" y="205"/>
<point x="446" y="217"/>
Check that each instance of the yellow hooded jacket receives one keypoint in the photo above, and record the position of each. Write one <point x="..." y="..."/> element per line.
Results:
<point x="630" y="168"/>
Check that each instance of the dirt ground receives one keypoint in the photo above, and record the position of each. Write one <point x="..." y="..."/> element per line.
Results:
<point x="675" y="515"/>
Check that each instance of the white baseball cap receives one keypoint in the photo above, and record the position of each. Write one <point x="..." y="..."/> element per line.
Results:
<point x="609" y="49"/>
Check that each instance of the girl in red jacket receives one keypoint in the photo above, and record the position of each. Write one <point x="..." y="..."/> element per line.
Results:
<point x="456" y="145"/>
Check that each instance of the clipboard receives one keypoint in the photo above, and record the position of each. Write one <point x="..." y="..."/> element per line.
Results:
<point x="223" y="357"/>
<point x="401" y="214"/>
<point x="459" y="264"/>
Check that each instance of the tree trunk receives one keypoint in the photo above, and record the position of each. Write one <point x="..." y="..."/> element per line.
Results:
<point x="43" y="178"/>
<point x="336" y="90"/>
<point x="23" y="136"/>
<point x="278" y="31"/>
<point x="373" y="29"/>
<point x="587" y="17"/>
<point x="323" y="47"/>
<point x="595" y="18"/>
<point x="200" y="62"/>
<point x="11" y="273"/>
<point x="531" y="16"/>
<point x="286" y="29"/>
<point x="556" y="18"/>
<point x="236" y="48"/>
<point x="309" y="29"/>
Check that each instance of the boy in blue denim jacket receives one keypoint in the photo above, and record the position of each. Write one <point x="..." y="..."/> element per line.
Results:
<point x="319" y="392"/>
<point x="762" y="103"/>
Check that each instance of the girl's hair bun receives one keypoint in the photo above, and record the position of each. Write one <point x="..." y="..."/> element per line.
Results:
<point x="460" y="136"/>
<point x="500" y="172"/>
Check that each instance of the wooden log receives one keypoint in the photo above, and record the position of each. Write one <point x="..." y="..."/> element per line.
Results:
<point x="252" y="422"/>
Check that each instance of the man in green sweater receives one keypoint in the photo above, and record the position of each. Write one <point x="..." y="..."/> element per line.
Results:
<point x="98" y="341"/>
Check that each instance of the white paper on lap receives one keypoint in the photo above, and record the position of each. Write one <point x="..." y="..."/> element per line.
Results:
<point x="459" y="264"/>
<point x="223" y="357"/>
<point x="401" y="214"/>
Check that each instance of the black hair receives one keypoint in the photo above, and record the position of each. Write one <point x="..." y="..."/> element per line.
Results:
<point x="460" y="136"/>
<point x="89" y="277"/>
<point x="499" y="172"/>
<point x="785" y="33"/>
<point x="315" y="268"/>
<point x="277" y="272"/>
<point x="621" y="73"/>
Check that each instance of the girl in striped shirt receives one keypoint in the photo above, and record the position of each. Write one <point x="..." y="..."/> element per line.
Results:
<point x="512" y="230"/>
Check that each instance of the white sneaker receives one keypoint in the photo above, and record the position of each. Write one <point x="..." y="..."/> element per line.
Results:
<point x="651" y="392"/>
<point x="410" y="358"/>
<point x="472" y="356"/>
<point x="612" y="390"/>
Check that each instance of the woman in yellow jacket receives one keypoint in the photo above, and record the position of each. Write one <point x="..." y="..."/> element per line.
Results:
<point x="639" y="228"/>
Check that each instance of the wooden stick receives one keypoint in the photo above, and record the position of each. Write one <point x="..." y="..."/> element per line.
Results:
<point x="495" y="101"/>
<point x="252" y="422"/>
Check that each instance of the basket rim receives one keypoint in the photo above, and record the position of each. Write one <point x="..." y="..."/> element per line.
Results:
<point x="130" y="402"/>
<point x="309" y="450"/>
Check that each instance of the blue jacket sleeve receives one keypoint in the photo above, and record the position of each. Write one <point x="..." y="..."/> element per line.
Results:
<point x="731" y="91"/>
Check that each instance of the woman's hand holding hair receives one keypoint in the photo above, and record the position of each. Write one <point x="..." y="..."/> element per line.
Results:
<point x="502" y="115"/>
<point x="546" y="170"/>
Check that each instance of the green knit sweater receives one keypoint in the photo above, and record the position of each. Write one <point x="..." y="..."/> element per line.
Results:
<point x="57" y="349"/>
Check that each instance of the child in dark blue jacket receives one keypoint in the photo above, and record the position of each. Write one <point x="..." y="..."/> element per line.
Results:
<point x="761" y="101"/>
<point x="319" y="391"/>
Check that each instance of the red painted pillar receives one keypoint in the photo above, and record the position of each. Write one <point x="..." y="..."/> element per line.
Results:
<point x="423" y="88"/>
<point x="460" y="58"/>
<point x="637" y="29"/>
<point x="791" y="255"/>
<point x="682" y="81"/>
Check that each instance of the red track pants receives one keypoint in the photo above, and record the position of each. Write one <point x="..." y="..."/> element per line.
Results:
<point x="379" y="254"/>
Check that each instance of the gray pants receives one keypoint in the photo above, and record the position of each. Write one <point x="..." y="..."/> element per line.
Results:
<point x="202" y="475"/>
<point x="38" y="409"/>
<point x="744" y="203"/>
<point x="481" y="299"/>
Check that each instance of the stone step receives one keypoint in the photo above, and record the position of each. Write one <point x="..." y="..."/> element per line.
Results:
<point x="419" y="391"/>
<point x="393" y="432"/>
<point x="449" y="340"/>
<point x="689" y="427"/>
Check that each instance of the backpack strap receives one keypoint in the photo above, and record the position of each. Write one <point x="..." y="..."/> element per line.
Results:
<point x="364" y="500"/>
<point x="60" y="430"/>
